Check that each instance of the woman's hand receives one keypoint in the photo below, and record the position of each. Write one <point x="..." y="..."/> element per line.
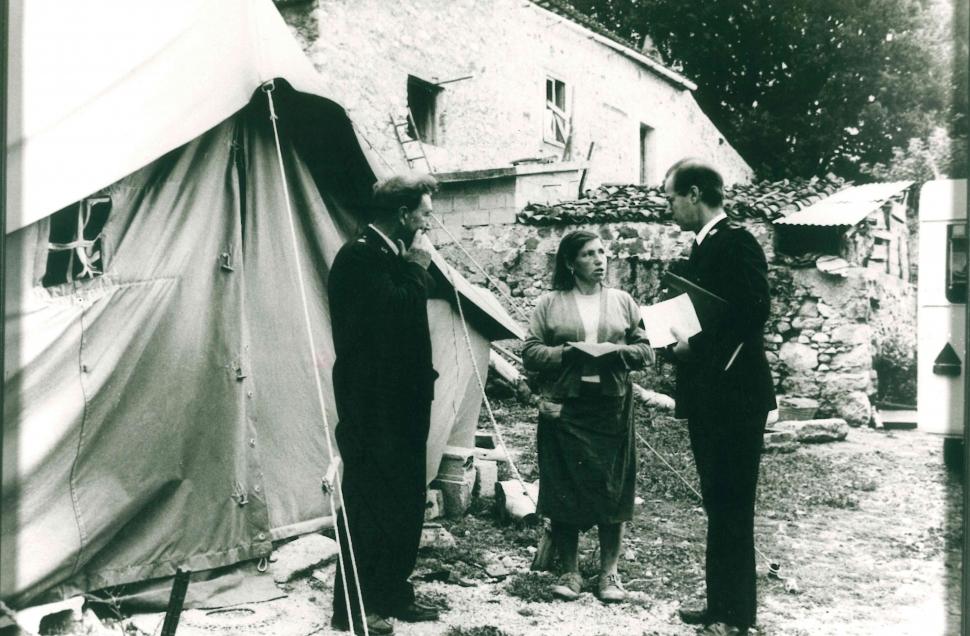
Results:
<point x="570" y="354"/>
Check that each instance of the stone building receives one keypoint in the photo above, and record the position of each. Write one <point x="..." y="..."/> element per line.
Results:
<point x="509" y="98"/>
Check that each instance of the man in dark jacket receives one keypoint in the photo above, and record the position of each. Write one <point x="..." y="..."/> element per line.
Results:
<point x="725" y="390"/>
<point x="383" y="385"/>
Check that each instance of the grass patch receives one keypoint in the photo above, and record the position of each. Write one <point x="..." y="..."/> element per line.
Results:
<point x="435" y="599"/>
<point x="531" y="586"/>
<point x="484" y="630"/>
<point x="663" y="547"/>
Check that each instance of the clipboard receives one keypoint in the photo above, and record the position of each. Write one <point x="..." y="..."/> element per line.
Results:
<point x="708" y="306"/>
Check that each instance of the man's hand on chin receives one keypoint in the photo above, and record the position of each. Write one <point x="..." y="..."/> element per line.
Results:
<point x="420" y="250"/>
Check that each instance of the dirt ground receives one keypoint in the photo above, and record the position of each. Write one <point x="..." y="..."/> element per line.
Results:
<point x="868" y="533"/>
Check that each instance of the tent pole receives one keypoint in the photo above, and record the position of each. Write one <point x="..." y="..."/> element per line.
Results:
<point x="175" y="602"/>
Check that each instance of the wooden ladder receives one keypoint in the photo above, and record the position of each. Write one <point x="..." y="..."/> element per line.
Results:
<point x="412" y="147"/>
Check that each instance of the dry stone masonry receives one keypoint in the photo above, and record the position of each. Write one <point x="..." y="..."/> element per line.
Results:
<point x="842" y="340"/>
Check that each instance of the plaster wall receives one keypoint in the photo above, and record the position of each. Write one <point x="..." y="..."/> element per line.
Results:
<point x="366" y="49"/>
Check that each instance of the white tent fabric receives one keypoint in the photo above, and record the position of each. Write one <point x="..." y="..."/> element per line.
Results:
<point x="97" y="100"/>
<point x="151" y="101"/>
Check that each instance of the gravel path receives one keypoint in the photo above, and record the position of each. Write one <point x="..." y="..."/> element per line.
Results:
<point x="888" y="565"/>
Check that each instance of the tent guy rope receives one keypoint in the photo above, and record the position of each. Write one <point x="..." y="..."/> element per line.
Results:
<point x="488" y="405"/>
<point x="481" y="268"/>
<point x="268" y="88"/>
<point x="773" y="567"/>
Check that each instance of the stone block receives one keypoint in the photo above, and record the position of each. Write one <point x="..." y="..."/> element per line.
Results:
<point x="859" y="357"/>
<point x="802" y="385"/>
<point x="780" y="442"/>
<point x="444" y="203"/>
<point x="802" y="322"/>
<point x="809" y="308"/>
<point x="798" y="356"/>
<point x="464" y="202"/>
<point x="851" y="333"/>
<point x="300" y="555"/>
<point x="475" y="217"/>
<point x="854" y="407"/>
<point x="502" y="216"/>
<point x="452" y="219"/>
<point x="796" y="408"/>
<point x="434" y="504"/>
<point x="456" y="479"/>
<point x="837" y="382"/>
<point x="435" y="536"/>
<point x="59" y="617"/>
<point x="486" y="477"/>
<point x="832" y="429"/>
<point x="491" y="201"/>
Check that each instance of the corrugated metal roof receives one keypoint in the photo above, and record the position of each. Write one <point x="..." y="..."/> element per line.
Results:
<point x="846" y="207"/>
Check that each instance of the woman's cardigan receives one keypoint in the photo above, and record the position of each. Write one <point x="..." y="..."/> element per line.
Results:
<point x="556" y="321"/>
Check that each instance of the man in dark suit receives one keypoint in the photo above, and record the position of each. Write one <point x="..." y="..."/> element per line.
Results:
<point x="383" y="385"/>
<point x="725" y="390"/>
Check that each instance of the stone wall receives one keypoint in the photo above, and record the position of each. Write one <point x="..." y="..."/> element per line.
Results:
<point x="366" y="49"/>
<point x="825" y="337"/>
<point x="490" y="197"/>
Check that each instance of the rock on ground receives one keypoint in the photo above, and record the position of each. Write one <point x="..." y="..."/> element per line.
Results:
<point x="301" y="555"/>
<point x="780" y="442"/>
<point x="832" y="429"/>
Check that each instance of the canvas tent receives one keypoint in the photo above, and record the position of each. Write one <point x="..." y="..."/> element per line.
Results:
<point x="159" y="402"/>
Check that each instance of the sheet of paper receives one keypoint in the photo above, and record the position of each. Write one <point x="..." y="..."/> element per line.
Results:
<point x="595" y="349"/>
<point x="675" y="312"/>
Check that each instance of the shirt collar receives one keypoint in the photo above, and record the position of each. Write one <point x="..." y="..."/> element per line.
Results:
<point x="389" y="242"/>
<point x="720" y="216"/>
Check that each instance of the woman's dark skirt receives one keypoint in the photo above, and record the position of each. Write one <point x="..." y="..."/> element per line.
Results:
<point x="587" y="461"/>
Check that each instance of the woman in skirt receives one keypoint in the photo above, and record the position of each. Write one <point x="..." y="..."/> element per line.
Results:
<point x="584" y="339"/>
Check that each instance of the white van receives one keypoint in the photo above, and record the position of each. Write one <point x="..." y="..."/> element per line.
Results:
<point x="941" y="317"/>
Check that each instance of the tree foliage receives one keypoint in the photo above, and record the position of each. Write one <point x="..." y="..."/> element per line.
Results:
<point x="806" y="87"/>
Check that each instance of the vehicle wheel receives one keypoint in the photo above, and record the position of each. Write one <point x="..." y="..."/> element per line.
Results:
<point x="953" y="454"/>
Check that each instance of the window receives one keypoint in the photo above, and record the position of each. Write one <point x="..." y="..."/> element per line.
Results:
<point x="423" y="106"/>
<point x="75" y="249"/>
<point x="646" y="142"/>
<point x="956" y="263"/>
<point x="557" y="112"/>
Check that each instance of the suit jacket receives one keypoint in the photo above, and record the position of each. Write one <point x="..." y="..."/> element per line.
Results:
<point x="730" y="263"/>
<point x="383" y="377"/>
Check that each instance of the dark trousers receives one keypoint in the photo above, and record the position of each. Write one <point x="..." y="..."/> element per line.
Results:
<point x="385" y="525"/>
<point x="727" y="451"/>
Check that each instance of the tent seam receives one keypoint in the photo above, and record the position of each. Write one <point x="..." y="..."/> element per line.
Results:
<point x="82" y="538"/>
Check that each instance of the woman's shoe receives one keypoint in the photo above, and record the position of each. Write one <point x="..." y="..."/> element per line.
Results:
<point x="568" y="586"/>
<point x="611" y="588"/>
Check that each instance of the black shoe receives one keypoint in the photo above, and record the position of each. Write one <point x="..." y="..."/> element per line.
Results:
<point x="694" y="615"/>
<point x="376" y="625"/>
<point x="416" y="613"/>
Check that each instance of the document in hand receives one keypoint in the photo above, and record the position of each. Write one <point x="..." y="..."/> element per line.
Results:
<point x="709" y="307"/>
<point x="595" y="349"/>
<point x="674" y="312"/>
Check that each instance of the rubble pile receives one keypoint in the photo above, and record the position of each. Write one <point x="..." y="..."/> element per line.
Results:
<point x="611" y="203"/>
